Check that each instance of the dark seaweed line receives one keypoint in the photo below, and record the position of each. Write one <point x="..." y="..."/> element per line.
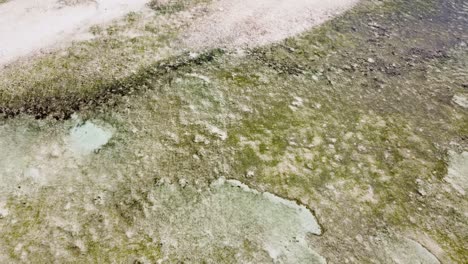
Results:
<point x="61" y="107"/>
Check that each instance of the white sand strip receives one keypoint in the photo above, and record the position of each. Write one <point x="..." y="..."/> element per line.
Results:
<point x="234" y="23"/>
<point x="28" y="26"/>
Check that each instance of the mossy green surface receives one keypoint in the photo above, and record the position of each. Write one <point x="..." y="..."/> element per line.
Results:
<point x="352" y="119"/>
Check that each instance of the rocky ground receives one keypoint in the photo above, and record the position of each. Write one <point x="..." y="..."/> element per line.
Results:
<point x="344" y="144"/>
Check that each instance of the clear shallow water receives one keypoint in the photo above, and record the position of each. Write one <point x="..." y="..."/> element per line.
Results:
<point x="89" y="137"/>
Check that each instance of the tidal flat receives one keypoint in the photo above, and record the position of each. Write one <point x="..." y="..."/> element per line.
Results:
<point x="346" y="143"/>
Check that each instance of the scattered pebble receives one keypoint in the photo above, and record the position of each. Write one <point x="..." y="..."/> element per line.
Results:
<point x="218" y="132"/>
<point x="461" y="100"/>
<point x="201" y="139"/>
<point x="250" y="174"/>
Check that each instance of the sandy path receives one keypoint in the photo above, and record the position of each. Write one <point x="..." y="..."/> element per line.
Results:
<point x="27" y="26"/>
<point x="234" y="23"/>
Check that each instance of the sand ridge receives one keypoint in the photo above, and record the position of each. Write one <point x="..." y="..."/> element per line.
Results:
<point x="27" y="27"/>
<point x="252" y="23"/>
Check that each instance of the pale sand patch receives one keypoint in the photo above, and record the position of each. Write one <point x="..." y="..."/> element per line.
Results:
<point x="461" y="100"/>
<point x="457" y="174"/>
<point x="30" y="27"/>
<point x="408" y="251"/>
<point x="27" y="26"/>
<point x="234" y="23"/>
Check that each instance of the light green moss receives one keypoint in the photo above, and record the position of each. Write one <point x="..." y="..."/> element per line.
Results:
<point x="366" y="148"/>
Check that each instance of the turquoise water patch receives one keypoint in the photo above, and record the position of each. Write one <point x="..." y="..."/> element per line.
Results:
<point x="227" y="218"/>
<point x="285" y="223"/>
<point x="88" y="137"/>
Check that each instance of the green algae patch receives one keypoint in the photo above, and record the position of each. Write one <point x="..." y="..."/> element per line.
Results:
<point x="353" y="119"/>
<point x="174" y="6"/>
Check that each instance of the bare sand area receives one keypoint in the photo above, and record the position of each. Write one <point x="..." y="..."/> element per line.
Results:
<point x="31" y="27"/>
<point x="251" y="23"/>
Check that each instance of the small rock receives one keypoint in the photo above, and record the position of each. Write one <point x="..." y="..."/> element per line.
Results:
<point x="129" y="233"/>
<point x="54" y="151"/>
<point x="371" y="60"/>
<point x="183" y="183"/>
<point x="422" y="192"/>
<point x="298" y="102"/>
<point x="250" y="174"/>
<point x="193" y="55"/>
<point x="359" y="239"/>
<point x="292" y="143"/>
<point x="201" y="139"/>
<point x="3" y="212"/>
<point x="218" y="132"/>
<point x="461" y="100"/>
